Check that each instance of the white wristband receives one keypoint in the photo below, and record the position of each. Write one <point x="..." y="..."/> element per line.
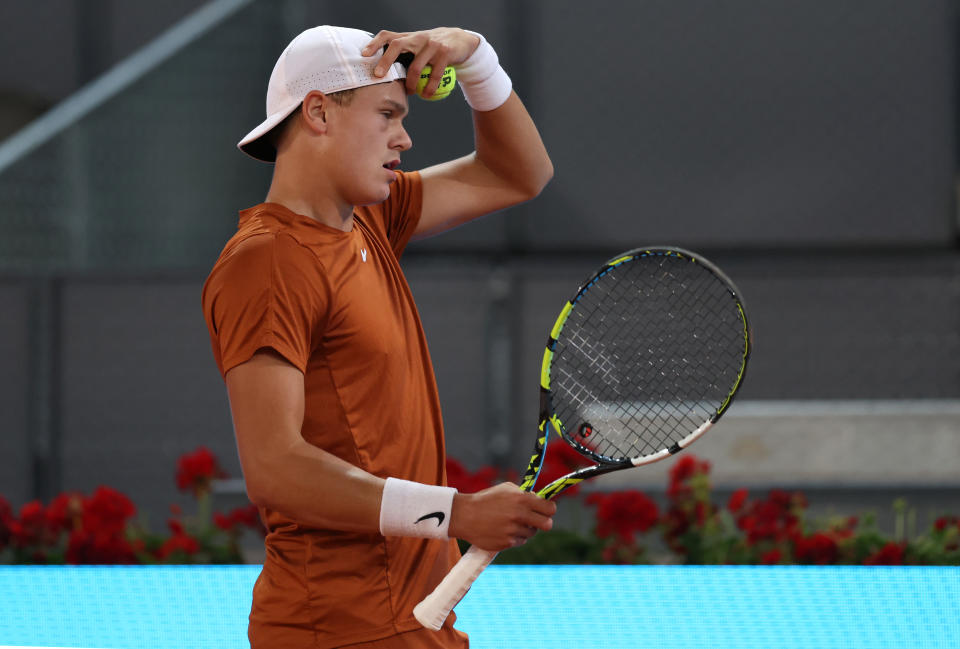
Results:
<point x="414" y="509"/>
<point x="485" y="84"/>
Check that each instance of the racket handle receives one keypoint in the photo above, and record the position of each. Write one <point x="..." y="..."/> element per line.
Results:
<point x="436" y="606"/>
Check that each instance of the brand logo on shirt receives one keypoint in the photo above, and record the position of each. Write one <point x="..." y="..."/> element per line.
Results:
<point x="438" y="515"/>
<point x="363" y="254"/>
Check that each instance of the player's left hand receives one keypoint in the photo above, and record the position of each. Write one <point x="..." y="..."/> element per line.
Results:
<point x="438" y="48"/>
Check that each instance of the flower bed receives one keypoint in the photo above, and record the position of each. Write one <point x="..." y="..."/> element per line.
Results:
<point x="101" y="528"/>
<point x="627" y="526"/>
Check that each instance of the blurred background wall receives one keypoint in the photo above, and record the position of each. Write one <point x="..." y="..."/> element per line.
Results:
<point x="808" y="148"/>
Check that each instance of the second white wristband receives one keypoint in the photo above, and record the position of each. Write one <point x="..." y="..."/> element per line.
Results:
<point x="414" y="509"/>
<point x="485" y="83"/>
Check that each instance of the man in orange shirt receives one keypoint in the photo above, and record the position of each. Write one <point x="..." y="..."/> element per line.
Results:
<point x="331" y="387"/>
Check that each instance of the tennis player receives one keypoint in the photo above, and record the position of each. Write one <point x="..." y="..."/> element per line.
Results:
<point x="314" y="328"/>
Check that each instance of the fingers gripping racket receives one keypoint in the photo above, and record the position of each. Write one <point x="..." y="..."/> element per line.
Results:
<point x="642" y="361"/>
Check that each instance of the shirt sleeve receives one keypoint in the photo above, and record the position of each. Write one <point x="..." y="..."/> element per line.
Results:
<point x="269" y="292"/>
<point x="401" y="211"/>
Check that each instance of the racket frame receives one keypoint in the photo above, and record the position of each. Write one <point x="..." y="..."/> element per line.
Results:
<point x="434" y="609"/>
<point x="548" y="418"/>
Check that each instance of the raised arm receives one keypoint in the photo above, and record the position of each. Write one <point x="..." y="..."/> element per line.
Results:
<point x="316" y="488"/>
<point x="510" y="164"/>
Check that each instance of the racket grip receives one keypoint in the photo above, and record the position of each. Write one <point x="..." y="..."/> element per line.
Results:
<point x="436" y="606"/>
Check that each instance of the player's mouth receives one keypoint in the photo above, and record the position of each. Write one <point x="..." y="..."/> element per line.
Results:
<point x="392" y="165"/>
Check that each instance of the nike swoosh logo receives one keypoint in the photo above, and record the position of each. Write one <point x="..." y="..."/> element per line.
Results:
<point x="438" y="515"/>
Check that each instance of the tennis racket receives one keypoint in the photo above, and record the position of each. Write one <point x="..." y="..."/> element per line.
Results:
<point x="641" y="362"/>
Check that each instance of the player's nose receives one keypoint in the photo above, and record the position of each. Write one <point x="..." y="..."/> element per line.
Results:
<point x="402" y="141"/>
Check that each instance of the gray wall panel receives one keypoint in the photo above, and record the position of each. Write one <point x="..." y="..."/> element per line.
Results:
<point x="15" y="456"/>
<point x="140" y="389"/>
<point x="745" y="123"/>
<point x="29" y="69"/>
<point x="453" y="308"/>
<point x="52" y="48"/>
<point x="857" y="327"/>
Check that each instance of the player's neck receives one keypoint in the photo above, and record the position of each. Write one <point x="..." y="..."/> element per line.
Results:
<point x="320" y="211"/>
<point x="310" y="196"/>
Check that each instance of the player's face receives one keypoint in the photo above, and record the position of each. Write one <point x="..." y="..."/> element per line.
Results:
<point x="367" y="142"/>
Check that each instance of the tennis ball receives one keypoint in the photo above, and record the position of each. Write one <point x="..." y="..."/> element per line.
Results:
<point x="447" y="82"/>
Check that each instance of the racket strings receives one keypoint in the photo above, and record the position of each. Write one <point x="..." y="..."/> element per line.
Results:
<point x="649" y="353"/>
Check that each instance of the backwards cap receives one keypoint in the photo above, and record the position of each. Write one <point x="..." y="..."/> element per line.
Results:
<point x="323" y="58"/>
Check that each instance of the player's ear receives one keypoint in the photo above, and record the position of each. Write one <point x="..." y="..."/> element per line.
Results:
<point x="315" y="109"/>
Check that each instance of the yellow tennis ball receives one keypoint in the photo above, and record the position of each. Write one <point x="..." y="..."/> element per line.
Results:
<point x="447" y="83"/>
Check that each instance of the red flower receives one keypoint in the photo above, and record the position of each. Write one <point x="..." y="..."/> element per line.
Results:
<point x="687" y="467"/>
<point x="86" y="546"/>
<point x="97" y="526"/>
<point x="6" y="521"/>
<point x="703" y="512"/>
<point x="890" y="554"/>
<point x="683" y="477"/>
<point x="247" y="516"/>
<point x="222" y="522"/>
<point x="737" y="500"/>
<point x="65" y="512"/>
<point x="196" y="470"/>
<point x="675" y="525"/>
<point x="32" y="529"/>
<point x="771" y="557"/>
<point x="818" y="548"/>
<point x="623" y="513"/>
<point x="465" y="482"/>
<point x="178" y="544"/>
<point x="774" y="519"/>
<point x="944" y="522"/>
<point x="107" y="511"/>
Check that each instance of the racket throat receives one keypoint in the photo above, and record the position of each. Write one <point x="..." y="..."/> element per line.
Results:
<point x="536" y="460"/>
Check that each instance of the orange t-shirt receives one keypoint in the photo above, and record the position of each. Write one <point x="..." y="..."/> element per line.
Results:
<point x="336" y="305"/>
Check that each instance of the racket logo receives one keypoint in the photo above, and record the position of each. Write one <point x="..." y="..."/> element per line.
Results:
<point x="438" y="515"/>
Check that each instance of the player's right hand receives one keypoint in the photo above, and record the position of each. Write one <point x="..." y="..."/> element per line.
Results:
<point x="501" y="517"/>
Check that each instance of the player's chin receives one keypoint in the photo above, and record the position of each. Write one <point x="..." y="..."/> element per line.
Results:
<point x="373" y="195"/>
<point x="389" y="177"/>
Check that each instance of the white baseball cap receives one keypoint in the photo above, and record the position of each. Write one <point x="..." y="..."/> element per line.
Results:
<point x="322" y="58"/>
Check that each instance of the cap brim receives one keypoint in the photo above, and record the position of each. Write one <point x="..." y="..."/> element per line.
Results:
<point x="255" y="143"/>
